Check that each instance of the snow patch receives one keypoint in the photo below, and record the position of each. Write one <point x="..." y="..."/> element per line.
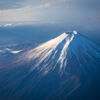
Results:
<point x="75" y="32"/>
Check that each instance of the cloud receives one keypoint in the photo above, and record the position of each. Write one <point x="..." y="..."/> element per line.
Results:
<point x="15" y="10"/>
<point x="47" y="4"/>
<point x="20" y="23"/>
<point x="16" y="51"/>
<point x="44" y="5"/>
<point x="59" y="0"/>
<point x="12" y="0"/>
<point x="46" y="10"/>
<point x="10" y="50"/>
<point x="15" y="4"/>
<point x="50" y="2"/>
<point x="1" y="51"/>
<point x="6" y="6"/>
<point x="11" y="4"/>
<point x="7" y="24"/>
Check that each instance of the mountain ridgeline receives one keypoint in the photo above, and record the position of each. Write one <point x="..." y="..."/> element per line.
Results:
<point x="64" y="68"/>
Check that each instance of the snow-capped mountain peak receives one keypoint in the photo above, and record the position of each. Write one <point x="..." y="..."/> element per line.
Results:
<point x="70" y="48"/>
<point x="54" y="70"/>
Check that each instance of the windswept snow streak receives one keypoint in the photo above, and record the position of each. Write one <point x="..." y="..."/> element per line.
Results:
<point x="58" y="52"/>
<point x="64" y="52"/>
<point x="48" y="51"/>
<point x="45" y="49"/>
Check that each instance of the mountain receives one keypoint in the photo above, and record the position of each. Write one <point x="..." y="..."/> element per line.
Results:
<point x="68" y="50"/>
<point x="64" y="68"/>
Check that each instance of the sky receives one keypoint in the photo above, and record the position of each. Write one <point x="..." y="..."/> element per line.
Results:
<point x="18" y="11"/>
<point x="47" y="10"/>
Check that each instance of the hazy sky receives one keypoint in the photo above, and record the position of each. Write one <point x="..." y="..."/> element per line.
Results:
<point x="47" y="10"/>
